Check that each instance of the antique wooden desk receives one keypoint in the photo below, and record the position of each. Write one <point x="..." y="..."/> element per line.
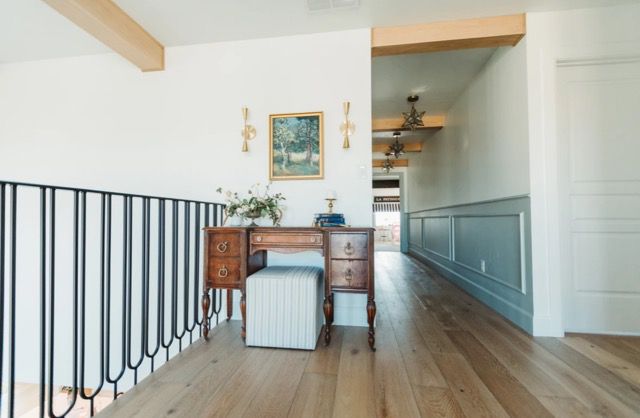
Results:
<point x="233" y="253"/>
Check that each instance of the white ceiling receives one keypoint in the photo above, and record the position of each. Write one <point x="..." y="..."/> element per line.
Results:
<point x="438" y="78"/>
<point x="31" y="30"/>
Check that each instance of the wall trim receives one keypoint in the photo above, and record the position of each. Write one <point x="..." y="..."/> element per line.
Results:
<point x="481" y="202"/>
<point x="598" y="60"/>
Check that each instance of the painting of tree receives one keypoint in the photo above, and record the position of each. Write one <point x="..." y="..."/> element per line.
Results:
<point x="296" y="146"/>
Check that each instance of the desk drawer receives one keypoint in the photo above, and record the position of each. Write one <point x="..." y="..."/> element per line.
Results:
<point x="350" y="274"/>
<point x="224" y="245"/>
<point x="310" y="238"/>
<point x="224" y="271"/>
<point x="353" y="246"/>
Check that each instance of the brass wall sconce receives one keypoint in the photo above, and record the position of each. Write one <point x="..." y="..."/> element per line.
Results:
<point x="347" y="128"/>
<point x="248" y="131"/>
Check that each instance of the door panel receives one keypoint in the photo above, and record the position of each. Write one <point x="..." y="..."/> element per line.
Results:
<point x="599" y="143"/>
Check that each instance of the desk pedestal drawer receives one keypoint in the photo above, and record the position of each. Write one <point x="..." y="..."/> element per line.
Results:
<point x="224" y="245"/>
<point x="349" y="246"/>
<point x="224" y="272"/>
<point x="350" y="274"/>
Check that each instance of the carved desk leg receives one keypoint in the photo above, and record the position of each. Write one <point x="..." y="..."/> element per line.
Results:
<point x="229" y="304"/>
<point x="328" y="318"/>
<point x="206" y="301"/>
<point x="371" y="315"/>
<point x="243" y="311"/>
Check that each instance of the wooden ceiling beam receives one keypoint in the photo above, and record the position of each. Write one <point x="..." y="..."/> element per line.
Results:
<point x="487" y="32"/>
<point x="395" y="124"/>
<point x="113" y="27"/>
<point x="396" y="163"/>
<point x="408" y="147"/>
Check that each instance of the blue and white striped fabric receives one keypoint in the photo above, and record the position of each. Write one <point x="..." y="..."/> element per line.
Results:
<point x="284" y="307"/>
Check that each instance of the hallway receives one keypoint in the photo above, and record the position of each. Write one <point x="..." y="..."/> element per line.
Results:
<point x="440" y="353"/>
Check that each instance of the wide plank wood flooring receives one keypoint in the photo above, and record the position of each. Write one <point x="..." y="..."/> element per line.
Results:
<point x="441" y="353"/>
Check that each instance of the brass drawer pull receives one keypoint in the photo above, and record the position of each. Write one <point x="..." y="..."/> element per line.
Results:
<point x="349" y="249"/>
<point x="223" y="272"/>
<point x="348" y="275"/>
<point x="223" y="247"/>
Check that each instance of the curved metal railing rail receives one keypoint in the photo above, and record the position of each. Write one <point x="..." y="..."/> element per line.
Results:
<point x="176" y="294"/>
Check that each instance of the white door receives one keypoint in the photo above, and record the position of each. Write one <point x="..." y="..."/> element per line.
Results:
<point x="599" y="143"/>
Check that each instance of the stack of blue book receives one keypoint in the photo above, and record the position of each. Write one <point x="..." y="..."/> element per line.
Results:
<point x="328" y="219"/>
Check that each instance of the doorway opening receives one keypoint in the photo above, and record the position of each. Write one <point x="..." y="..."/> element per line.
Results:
<point x="387" y="214"/>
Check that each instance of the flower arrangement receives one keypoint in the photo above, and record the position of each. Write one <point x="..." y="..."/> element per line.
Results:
<point x="257" y="204"/>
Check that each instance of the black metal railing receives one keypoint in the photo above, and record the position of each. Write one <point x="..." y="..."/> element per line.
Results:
<point x="93" y="256"/>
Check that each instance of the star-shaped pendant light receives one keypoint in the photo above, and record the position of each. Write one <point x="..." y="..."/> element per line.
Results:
<point x="413" y="118"/>
<point x="387" y="165"/>
<point x="396" y="149"/>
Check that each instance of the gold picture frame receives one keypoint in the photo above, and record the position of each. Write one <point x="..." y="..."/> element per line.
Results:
<point x="296" y="146"/>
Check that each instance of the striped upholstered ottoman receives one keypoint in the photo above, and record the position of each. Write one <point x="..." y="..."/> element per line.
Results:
<point x="284" y="307"/>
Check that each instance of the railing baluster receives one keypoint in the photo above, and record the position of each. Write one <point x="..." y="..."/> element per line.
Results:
<point x="43" y="296"/>
<point x="174" y="285"/>
<point x="12" y="300"/>
<point x="2" y="304"/>
<point x="75" y="314"/>
<point x="152" y="353"/>
<point x="135" y="365"/>
<point x="108" y="378"/>
<point x="187" y="261"/>
<point x="196" y="268"/>
<point x="52" y="266"/>
<point x="166" y="344"/>
<point x="83" y="388"/>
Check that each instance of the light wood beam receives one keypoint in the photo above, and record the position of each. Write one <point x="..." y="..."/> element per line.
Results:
<point x="408" y="147"/>
<point x="395" y="124"/>
<point x="113" y="27"/>
<point x="396" y="163"/>
<point x="485" y="32"/>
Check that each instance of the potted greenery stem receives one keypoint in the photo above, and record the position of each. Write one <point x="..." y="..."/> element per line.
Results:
<point x="256" y="204"/>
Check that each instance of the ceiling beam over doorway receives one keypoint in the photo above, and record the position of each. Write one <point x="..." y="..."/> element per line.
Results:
<point x="487" y="32"/>
<point x="113" y="27"/>
<point x="395" y="124"/>
<point x="396" y="163"/>
<point x="408" y="147"/>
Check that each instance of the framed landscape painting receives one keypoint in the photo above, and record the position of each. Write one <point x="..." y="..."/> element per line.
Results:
<point x="296" y="146"/>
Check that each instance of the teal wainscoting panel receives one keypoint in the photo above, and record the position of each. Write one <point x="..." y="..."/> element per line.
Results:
<point x="404" y="233"/>
<point x="415" y="232"/>
<point x="483" y="247"/>
<point x="436" y="235"/>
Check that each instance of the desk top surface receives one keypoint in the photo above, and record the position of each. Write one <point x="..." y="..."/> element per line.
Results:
<point x="289" y="229"/>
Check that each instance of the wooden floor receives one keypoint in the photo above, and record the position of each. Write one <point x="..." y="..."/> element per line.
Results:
<point x="440" y="353"/>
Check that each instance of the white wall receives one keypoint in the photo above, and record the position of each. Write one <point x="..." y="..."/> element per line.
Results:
<point x="98" y="122"/>
<point x="609" y="33"/>
<point x="482" y="152"/>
